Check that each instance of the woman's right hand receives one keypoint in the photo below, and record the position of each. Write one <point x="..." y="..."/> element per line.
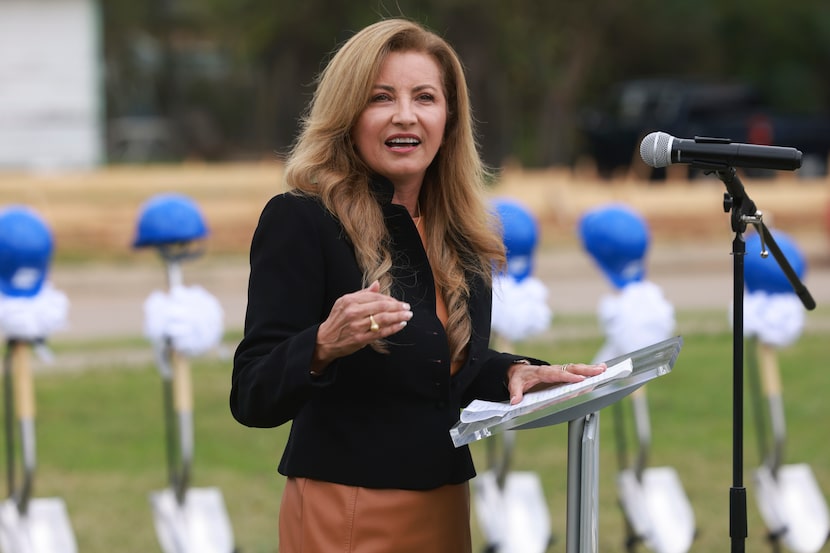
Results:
<point x="357" y="319"/>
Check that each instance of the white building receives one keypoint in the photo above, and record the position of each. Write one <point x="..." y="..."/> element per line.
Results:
<point x="51" y="85"/>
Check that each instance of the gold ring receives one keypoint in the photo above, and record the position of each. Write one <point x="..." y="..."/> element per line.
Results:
<point x="565" y="366"/>
<point x="373" y="324"/>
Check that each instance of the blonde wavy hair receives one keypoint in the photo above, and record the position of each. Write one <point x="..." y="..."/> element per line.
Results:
<point x="462" y="238"/>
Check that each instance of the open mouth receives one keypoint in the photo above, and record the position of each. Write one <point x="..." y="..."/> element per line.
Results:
<point x="407" y="142"/>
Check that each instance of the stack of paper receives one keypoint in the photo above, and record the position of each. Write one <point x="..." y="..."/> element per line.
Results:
<point x="479" y="410"/>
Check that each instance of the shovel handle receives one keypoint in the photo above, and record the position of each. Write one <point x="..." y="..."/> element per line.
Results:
<point x="24" y="387"/>
<point x="642" y="426"/>
<point x="770" y="373"/>
<point x="182" y="388"/>
<point x="182" y="385"/>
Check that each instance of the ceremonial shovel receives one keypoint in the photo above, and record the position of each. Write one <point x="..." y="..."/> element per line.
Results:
<point x="656" y="509"/>
<point x="788" y="496"/>
<point x="187" y="520"/>
<point x="511" y="506"/>
<point x="27" y="525"/>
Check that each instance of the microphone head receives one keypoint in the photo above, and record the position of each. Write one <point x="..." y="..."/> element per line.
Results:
<point x="655" y="149"/>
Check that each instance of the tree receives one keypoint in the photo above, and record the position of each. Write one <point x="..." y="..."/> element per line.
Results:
<point x="532" y="66"/>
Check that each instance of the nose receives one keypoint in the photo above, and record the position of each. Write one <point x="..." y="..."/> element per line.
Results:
<point x="404" y="114"/>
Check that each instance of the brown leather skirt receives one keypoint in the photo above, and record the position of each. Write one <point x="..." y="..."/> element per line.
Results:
<point x="321" y="517"/>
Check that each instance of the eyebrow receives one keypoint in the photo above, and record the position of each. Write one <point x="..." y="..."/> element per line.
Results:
<point x="417" y="88"/>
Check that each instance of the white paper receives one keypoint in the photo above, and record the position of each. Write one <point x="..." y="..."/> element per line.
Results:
<point x="479" y="410"/>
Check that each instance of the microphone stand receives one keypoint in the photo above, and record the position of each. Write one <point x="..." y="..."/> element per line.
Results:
<point x="744" y="211"/>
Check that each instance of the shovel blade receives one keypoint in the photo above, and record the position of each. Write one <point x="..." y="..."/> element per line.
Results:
<point x="657" y="509"/>
<point x="515" y="519"/>
<point x="633" y="502"/>
<point x="45" y="527"/>
<point x="489" y="506"/>
<point x="200" y="524"/>
<point x="793" y="507"/>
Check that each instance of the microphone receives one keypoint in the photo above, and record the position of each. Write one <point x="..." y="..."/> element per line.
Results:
<point x="659" y="149"/>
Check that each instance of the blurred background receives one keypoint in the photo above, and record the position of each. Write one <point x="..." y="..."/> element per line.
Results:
<point x="104" y="104"/>
<point x="88" y="82"/>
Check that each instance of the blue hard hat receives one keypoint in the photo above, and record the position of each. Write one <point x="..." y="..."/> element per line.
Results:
<point x="25" y="251"/>
<point x="520" y="233"/>
<point x="763" y="274"/>
<point x="169" y="219"/>
<point x="617" y="239"/>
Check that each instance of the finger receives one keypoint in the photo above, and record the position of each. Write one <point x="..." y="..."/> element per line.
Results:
<point x="561" y="374"/>
<point x="371" y="301"/>
<point x="586" y="369"/>
<point x="382" y="310"/>
<point x="362" y="297"/>
<point x="390" y="318"/>
<point x="516" y="391"/>
<point x="393" y="320"/>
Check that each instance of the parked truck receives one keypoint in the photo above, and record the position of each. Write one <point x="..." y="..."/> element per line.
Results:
<point x="612" y="133"/>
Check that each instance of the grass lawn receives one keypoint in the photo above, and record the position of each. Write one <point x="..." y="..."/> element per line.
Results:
<point x="101" y="443"/>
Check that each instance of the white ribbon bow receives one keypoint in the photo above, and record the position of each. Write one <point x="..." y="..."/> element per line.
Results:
<point x="633" y="318"/>
<point x="187" y="315"/>
<point x="35" y="317"/>
<point x="776" y="319"/>
<point x="520" y="309"/>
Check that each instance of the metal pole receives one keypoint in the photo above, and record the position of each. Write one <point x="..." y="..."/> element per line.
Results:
<point x="582" y="534"/>
<point x="574" y="506"/>
<point x="737" y="494"/>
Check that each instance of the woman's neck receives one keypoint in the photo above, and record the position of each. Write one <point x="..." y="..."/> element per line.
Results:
<point x="410" y="201"/>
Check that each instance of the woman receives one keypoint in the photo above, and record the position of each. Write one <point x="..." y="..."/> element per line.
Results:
<point x="369" y="304"/>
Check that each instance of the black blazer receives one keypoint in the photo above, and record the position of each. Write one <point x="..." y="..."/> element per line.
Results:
<point x="372" y="420"/>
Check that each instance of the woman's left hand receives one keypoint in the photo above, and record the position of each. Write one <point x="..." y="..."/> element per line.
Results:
<point x="522" y="377"/>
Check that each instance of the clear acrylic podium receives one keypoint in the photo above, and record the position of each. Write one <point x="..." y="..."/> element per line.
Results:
<point x="581" y="412"/>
